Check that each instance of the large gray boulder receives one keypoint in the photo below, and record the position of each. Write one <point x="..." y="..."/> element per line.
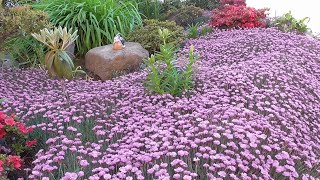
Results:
<point x="104" y="61"/>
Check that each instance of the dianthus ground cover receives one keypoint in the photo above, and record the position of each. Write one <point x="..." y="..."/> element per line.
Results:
<point x="255" y="113"/>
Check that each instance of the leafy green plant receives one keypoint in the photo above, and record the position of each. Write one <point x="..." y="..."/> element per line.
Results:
<point x="25" y="50"/>
<point x="185" y="15"/>
<point x="204" y="30"/>
<point x="196" y="30"/>
<point x="21" y="20"/>
<point x="193" y="30"/>
<point x="172" y="4"/>
<point x="57" y="60"/>
<point x="288" y="23"/>
<point x="147" y="35"/>
<point x="17" y="24"/>
<point x="97" y="21"/>
<point x="151" y="9"/>
<point x="164" y="76"/>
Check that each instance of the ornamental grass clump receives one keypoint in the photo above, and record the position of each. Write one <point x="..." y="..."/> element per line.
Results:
<point x="254" y="114"/>
<point x="169" y="79"/>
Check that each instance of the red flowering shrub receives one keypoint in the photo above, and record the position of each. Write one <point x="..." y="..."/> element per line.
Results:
<point x="13" y="143"/>
<point x="233" y="2"/>
<point x="232" y="16"/>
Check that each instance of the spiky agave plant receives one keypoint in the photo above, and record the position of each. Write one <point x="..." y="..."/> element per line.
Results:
<point x="57" y="60"/>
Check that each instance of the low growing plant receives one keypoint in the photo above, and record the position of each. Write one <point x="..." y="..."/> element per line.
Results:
<point x="287" y="23"/>
<point x="148" y="36"/>
<point x="165" y="77"/>
<point x="57" y="60"/>
<point x="205" y="29"/>
<point x="253" y="108"/>
<point x="193" y="31"/>
<point x="196" y="30"/>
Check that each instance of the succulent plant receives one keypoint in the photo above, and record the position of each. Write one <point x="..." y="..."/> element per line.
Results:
<point x="57" y="60"/>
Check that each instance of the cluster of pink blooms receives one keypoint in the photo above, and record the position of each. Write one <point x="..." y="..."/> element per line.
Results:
<point x="253" y="114"/>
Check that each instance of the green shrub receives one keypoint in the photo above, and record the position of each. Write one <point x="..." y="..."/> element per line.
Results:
<point x="287" y="23"/>
<point x="97" y="21"/>
<point x="16" y="26"/>
<point x="148" y="37"/>
<point x="204" y="4"/>
<point x="21" y="20"/>
<point x="185" y="15"/>
<point x="172" y="4"/>
<point x="164" y="76"/>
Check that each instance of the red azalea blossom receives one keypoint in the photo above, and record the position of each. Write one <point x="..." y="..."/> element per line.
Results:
<point x="31" y="143"/>
<point x="22" y="128"/>
<point x="10" y="161"/>
<point x="2" y="116"/>
<point x="30" y="129"/>
<point x="2" y="133"/>
<point x="232" y="16"/>
<point x="9" y="121"/>
<point x="16" y="161"/>
<point x="1" y="165"/>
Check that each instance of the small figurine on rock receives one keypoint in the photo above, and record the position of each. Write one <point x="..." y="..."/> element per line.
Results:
<point x="118" y="42"/>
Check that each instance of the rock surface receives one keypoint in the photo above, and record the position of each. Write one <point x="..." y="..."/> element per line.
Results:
<point x="104" y="61"/>
<point x="6" y="62"/>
